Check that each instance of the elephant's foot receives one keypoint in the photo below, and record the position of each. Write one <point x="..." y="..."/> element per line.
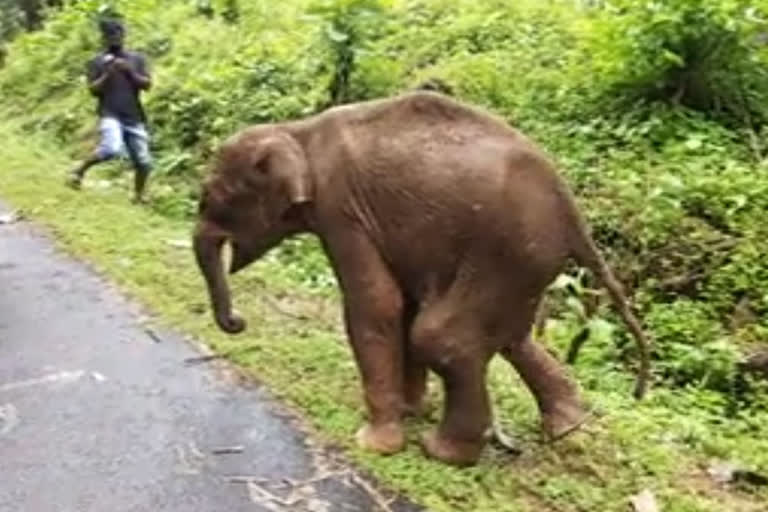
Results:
<point x="563" y="418"/>
<point x="451" y="451"/>
<point x="385" y="439"/>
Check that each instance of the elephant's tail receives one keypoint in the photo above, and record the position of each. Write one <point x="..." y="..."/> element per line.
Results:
<point x="586" y="253"/>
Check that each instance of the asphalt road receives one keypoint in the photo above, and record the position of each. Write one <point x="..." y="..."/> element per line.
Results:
<point x="98" y="414"/>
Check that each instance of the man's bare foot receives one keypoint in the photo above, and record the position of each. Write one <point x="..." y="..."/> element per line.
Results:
<point x="74" y="181"/>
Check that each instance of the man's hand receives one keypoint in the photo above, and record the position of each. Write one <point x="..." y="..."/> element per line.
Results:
<point x="125" y="66"/>
<point x="121" y="64"/>
<point x="97" y="84"/>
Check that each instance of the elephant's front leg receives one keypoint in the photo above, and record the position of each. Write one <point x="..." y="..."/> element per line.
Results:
<point x="373" y="307"/>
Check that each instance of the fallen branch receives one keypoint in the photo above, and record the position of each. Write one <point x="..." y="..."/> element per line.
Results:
<point x="256" y="486"/>
<point x="289" y="482"/>
<point x="239" y="479"/>
<point x="503" y="440"/>
<point x="676" y="283"/>
<point x="226" y="450"/>
<point x="152" y="334"/>
<point x="259" y="495"/>
<point x="191" y="361"/>
<point x="383" y="504"/>
<point x="279" y="309"/>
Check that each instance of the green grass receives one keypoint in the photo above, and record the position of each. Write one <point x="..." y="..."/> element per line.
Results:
<point x="664" y="444"/>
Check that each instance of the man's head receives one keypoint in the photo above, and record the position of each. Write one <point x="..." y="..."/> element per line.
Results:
<point x="112" y="32"/>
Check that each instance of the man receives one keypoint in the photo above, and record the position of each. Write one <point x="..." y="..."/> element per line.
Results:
<point x="117" y="77"/>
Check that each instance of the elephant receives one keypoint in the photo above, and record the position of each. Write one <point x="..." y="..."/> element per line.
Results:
<point x="443" y="226"/>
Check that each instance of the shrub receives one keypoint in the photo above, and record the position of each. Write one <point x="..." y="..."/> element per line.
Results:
<point x="691" y="348"/>
<point x="707" y="55"/>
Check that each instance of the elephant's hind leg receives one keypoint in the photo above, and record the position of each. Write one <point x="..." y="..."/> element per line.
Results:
<point x="555" y="392"/>
<point x="415" y="371"/>
<point x="449" y="345"/>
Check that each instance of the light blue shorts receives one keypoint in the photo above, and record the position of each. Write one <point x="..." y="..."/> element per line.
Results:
<point x="117" y="136"/>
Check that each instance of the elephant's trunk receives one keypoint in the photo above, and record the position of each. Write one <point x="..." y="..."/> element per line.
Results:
<point x="208" y="254"/>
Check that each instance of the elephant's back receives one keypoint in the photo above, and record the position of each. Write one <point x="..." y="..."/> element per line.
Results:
<point x="439" y="183"/>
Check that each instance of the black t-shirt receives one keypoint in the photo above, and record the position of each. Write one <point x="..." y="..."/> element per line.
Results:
<point x="120" y="96"/>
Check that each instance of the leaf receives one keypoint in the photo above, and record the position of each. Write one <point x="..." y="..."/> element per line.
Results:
<point x="336" y="36"/>
<point x="601" y="329"/>
<point x="740" y="202"/>
<point x="673" y="182"/>
<point x="575" y="305"/>
<point x="694" y="144"/>
<point x="645" y="502"/>
<point x="673" y="58"/>
<point x="180" y="244"/>
<point x="565" y="281"/>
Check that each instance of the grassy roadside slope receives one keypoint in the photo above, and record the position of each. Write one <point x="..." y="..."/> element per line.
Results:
<point x="664" y="444"/>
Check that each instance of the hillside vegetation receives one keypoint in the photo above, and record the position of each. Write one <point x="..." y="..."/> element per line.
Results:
<point x="657" y="113"/>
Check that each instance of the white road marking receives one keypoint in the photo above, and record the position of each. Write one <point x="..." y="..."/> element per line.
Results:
<point x="99" y="377"/>
<point x="65" y="377"/>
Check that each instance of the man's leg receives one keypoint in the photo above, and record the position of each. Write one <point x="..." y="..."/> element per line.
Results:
<point x="110" y="146"/>
<point x="137" y="140"/>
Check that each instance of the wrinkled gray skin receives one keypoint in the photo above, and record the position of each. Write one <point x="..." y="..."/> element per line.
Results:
<point x="443" y="225"/>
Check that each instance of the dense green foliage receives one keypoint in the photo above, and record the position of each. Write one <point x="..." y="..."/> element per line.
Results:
<point x="656" y="111"/>
<point x="19" y="15"/>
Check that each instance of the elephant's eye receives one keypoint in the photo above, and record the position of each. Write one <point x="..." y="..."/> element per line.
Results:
<point x="261" y="167"/>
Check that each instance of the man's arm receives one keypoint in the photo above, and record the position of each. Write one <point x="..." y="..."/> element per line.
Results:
<point x="138" y="74"/>
<point x="97" y="76"/>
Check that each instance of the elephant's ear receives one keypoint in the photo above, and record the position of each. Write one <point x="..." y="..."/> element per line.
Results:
<point x="284" y="162"/>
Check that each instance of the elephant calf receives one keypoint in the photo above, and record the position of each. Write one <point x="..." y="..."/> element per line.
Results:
<point x="444" y="227"/>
